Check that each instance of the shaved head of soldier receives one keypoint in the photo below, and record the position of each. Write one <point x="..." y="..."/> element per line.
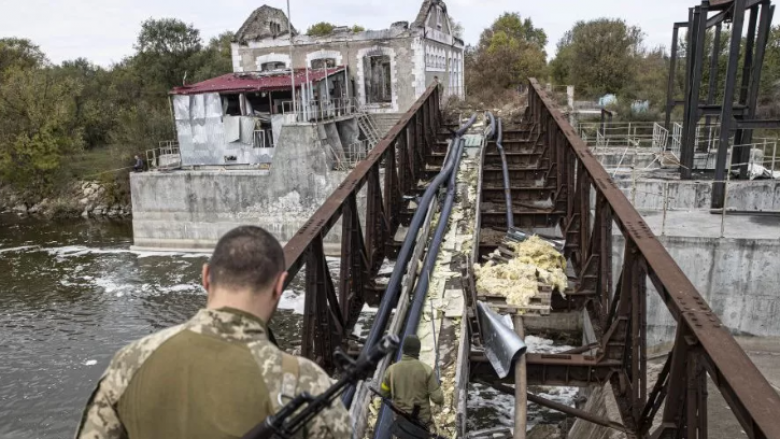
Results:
<point x="246" y="272"/>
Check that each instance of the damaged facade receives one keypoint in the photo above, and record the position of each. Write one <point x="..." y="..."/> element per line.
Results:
<point x="237" y="118"/>
<point x="387" y="69"/>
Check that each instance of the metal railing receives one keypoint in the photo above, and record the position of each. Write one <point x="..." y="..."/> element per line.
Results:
<point x="635" y="134"/>
<point x="319" y="110"/>
<point x="263" y="139"/>
<point x="166" y="156"/>
<point x="703" y="346"/>
<point x="355" y="152"/>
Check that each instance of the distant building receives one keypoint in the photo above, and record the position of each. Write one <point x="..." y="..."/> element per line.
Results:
<point x="350" y="87"/>
<point x="387" y="69"/>
<point x="237" y="118"/>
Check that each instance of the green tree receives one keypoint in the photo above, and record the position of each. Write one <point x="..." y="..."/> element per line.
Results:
<point x="509" y="52"/>
<point x="358" y="28"/>
<point x="95" y="110"/>
<point x="19" y="53"/>
<point x="320" y="29"/>
<point x="599" y="56"/>
<point x="214" y="59"/>
<point x="165" y="50"/>
<point x="37" y="128"/>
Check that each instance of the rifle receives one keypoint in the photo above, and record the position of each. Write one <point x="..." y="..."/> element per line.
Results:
<point x="286" y="423"/>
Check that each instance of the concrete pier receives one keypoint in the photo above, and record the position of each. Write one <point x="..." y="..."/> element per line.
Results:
<point x="188" y="210"/>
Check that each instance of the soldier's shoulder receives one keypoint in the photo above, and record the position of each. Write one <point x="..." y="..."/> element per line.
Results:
<point x="428" y="369"/>
<point x="134" y="354"/>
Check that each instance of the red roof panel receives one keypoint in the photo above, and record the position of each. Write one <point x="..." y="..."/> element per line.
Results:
<point x="253" y="81"/>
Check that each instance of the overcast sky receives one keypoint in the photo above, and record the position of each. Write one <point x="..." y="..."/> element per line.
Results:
<point x="104" y="31"/>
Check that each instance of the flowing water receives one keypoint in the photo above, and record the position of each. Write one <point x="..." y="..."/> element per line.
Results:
<point x="72" y="293"/>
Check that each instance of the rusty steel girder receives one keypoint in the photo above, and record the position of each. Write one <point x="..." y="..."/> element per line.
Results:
<point x="703" y="345"/>
<point x="330" y="314"/>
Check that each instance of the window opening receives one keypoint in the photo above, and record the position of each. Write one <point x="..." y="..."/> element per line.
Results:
<point x="378" y="79"/>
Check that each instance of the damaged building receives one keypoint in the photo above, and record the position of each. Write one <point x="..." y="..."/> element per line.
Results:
<point x="269" y="142"/>
<point x="387" y="69"/>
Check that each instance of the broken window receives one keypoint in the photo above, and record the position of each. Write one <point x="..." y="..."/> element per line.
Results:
<point x="275" y="28"/>
<point x="378" y="79"/>
<point x="272" y="65"/>
<point x="323" y="62"/>
<point x="231" y="105"/>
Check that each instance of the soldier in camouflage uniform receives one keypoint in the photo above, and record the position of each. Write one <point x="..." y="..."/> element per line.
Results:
<point x="217" y="375"/>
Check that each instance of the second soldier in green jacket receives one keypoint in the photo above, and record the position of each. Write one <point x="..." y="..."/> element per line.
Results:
<point x="411" y="382"/>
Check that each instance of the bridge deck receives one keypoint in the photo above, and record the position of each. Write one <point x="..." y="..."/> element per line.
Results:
<point x="554" y="178"/>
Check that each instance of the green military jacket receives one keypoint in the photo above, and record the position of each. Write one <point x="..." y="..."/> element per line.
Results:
<point x="214" y="377"/>
<point x="410" y="382"/>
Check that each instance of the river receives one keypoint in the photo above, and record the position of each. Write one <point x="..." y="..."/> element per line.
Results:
<point x="72" y="293"/>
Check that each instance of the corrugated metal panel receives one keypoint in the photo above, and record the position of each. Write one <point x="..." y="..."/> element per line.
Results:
<point x="206" y="137"/>
<point x="253" y="81"/>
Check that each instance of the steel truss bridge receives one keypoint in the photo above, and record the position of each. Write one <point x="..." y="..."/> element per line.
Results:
<point x="588" y="208"/>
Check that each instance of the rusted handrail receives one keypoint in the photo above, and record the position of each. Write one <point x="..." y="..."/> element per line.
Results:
<point x="329" y="314"/>
<point x="700" y="334"/>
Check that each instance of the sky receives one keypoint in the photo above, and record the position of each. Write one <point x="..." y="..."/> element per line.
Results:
<point x="104" y="31"/>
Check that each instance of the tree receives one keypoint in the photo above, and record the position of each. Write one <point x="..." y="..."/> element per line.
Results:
<point x="215" y="59"/>
<point x="509" y="52"/>
<point x="358" y="28"/>
<point x="598" y="56"/>
<point x="19" y="53"/>
<point x="515" y="28"/>
<point x="37" y="127"/>
<point x="94" y="108"/>
<point x="320" y="29"/>
<point x="165" y="49"/>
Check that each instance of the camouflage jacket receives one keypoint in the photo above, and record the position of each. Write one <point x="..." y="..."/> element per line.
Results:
<point x="214" y="377"/>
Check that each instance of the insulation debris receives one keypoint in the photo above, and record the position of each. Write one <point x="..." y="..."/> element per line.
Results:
<point x="532" y="262"/>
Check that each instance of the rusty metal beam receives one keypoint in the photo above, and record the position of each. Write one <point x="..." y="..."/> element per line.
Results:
<point x="752" y="399"/>
<point x="552" y="369"/>
<point x="330" y="211"/>
<point x="563" y="408"/>
<point x="329" y="315"/>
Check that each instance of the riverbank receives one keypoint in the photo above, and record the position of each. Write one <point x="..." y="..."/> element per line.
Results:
<point x="83" y="198"/>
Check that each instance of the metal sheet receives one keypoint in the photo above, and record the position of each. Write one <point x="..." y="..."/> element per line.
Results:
<point x="232" y="128"/>
<point x="502" y="346"/>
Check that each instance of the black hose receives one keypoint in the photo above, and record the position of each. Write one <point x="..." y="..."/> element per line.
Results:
<point x="390" y="297"/>
<point x="382" y="427"/>
<point x="492" y="130"/>
<point x="510" y="222"/>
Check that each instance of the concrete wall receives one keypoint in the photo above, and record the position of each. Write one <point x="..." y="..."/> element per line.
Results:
<point x="192" y="209"/>
<point x="739" y="278"/>
<point x="753" y="196"/>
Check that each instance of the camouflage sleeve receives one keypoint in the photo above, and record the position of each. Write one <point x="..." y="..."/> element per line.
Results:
<point x="100" y="419"/>
<point x="333" y="422"/>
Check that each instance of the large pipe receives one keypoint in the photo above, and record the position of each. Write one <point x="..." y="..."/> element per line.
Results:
<point x="385" y="419"/>
<point x="510" y="221"/>
<point x="390" y="297"/>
